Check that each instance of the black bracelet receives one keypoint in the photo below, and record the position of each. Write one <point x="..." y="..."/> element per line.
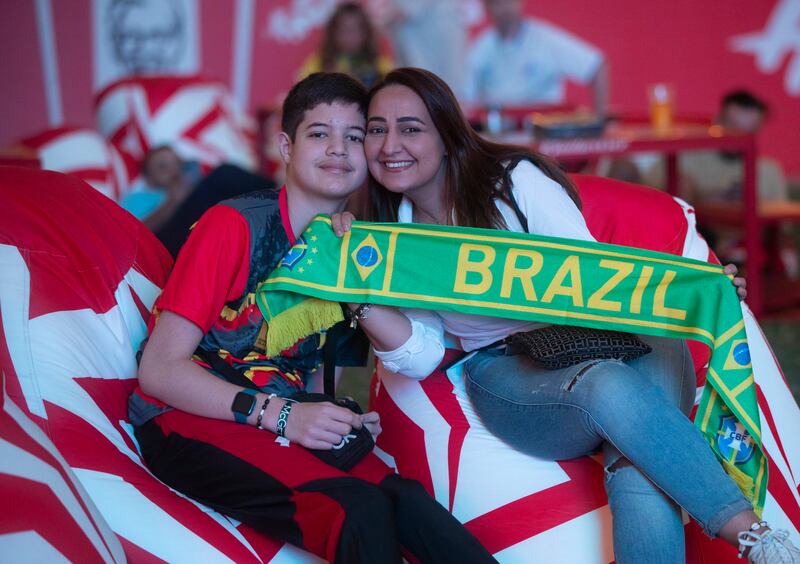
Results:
<point x="263" y="409"/>
<point x="283" y="417"/>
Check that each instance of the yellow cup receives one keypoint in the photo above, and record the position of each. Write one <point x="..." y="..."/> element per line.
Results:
<point x="662" y="100"/>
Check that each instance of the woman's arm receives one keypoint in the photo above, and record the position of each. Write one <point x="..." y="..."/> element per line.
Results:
<point x="412" y="347"/>
<point x="422" y="352"/>
<point x="385" y="326"/>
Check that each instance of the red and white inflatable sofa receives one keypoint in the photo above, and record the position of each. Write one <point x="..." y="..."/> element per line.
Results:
<point x="78" y="276"/>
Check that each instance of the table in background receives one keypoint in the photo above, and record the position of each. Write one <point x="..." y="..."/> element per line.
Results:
<point x="16" y="155"/>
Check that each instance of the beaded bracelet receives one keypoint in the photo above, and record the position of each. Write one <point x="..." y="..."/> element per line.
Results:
<point x="283" y="417"/>
<point x="744" y="542"/>
<point x="359" y="314"/>
<point x="263" y="409"/>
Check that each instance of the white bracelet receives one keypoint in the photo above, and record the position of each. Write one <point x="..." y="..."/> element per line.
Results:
<point x="263" y="409"/>
<point x="746" y="539"/>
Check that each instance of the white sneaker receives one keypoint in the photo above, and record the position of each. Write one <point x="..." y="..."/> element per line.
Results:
<point x="769" y="547"/>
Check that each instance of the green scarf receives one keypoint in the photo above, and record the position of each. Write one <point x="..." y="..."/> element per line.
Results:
<point x="532" y="278"/>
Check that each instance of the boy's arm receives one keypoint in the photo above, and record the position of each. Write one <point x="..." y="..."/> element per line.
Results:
<point x="168" y="373"/>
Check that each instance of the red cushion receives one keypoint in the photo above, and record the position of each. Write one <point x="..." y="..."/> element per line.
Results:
<point x="629" y="214"/>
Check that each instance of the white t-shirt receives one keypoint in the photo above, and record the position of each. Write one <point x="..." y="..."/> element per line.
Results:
<point x="529" y="68"/>
<point x="432" y="35"/>
<point x="550" y="211"/>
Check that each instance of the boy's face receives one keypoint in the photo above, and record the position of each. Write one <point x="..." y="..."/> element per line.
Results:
<point x="326" y="159"/>
<point x="164" y="168"/>
<point x="504" y="13"/>
<point x="742" y="118"/>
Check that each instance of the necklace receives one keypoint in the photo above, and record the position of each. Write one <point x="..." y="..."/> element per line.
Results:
<point x="421" y="214"/>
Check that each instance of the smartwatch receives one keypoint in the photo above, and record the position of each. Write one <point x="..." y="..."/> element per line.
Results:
<point x="243" y="404"/>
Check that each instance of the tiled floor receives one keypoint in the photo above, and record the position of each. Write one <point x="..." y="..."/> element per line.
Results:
<point x="783" y="334"/>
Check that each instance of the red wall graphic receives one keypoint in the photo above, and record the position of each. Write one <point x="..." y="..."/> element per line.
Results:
<point x="702" y="48"/>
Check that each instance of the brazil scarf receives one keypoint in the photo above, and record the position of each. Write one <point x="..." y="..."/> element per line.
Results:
<point x="533" y="278"/>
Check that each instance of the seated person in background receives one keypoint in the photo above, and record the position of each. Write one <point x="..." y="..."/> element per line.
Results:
<point x="349" y="46"/>
<point x="207" y="438"/>
<point x="709" y="176"/>
<point x="524" y="61"/>
<point x="716" y="176"/>
<point x="166" y="182"/>
<point x="173" y="195"/>
<point x="225" y="181"/>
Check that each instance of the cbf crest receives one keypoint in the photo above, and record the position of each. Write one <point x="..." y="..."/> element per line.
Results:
<point x="295" y="254"/>
<point x="733" y="440"/>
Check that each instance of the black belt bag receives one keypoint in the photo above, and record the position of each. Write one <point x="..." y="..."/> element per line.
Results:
<point x="356" y="444"/>
<point x="560" y="346"/>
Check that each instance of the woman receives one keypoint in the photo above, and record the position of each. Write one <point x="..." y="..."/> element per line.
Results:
<point x="430" y="167"/>
<point x="349" y="46"/>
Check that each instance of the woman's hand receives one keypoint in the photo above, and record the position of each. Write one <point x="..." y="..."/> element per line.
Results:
<point x="341" y="222"/>
<point x="738" y="281"/>
<point x="372" y="421"/>
<point x="320" y="425"/>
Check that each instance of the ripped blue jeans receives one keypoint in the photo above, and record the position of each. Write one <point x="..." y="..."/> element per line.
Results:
<point x="656" y="459"/>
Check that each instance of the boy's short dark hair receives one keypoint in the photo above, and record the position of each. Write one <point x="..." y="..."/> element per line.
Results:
<point x="320" y="88"/>
<point x="745" y="99"/>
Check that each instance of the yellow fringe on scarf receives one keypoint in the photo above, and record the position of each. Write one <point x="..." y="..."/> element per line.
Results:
<point x="301" y="320"/>
<point x="745" y="482"/>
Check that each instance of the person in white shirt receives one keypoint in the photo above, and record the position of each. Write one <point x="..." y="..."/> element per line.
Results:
<point x="431" y="35"/>
<point x="429" y="166"/>
<point x="525" y="61"/>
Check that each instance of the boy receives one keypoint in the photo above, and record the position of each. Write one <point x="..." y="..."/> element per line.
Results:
<point x="215" y="441"/>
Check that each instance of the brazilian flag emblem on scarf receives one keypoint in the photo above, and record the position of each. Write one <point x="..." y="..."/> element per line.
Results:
<point x="533" y="278"/>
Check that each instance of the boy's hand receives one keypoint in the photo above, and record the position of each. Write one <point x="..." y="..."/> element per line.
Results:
<point x="372" y="421"/>
<point x="738" y="281"/>
<point x="320" y="425"/>
<point x="341" y="222"/>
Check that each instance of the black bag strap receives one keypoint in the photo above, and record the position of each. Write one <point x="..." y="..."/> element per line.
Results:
<point x="459" y="358"/>
<point x="224" y="369"/>
<point x="333" y="337"/>
<point x="523" y="220"/>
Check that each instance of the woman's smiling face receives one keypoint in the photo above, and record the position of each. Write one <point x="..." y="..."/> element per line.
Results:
<point x="404" y="150"/>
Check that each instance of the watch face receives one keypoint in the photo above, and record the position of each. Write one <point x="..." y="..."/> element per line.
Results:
<point x="243" y="403"/>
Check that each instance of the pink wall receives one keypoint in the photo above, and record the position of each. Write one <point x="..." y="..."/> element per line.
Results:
<point x="684" y="42"/>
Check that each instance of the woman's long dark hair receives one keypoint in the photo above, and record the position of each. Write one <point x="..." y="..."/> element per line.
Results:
<point x="328" y="51"/>
<point x="477" y="170"/>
